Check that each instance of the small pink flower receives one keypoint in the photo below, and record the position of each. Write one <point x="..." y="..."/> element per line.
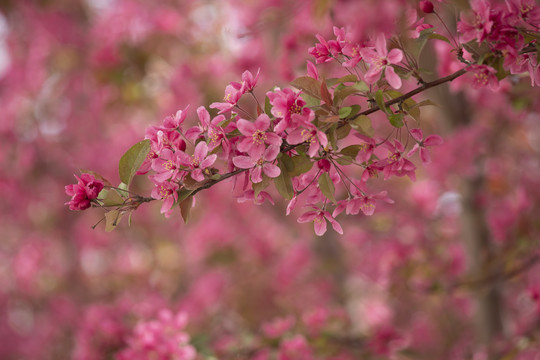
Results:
<point x="249" y="195"/>
<point x="259" y="161"/>
<point x="422" y="144"/>
<point x="477" y="25"/>
<point x="174" y="122"/>
<point x="198" y="162"/>
<point x="167" y="166"/>
<point x="278" y="326"/>
<point x="426" y="6"/>
<point x="380" y="60"/>
<point x="166" y="191"/>
<point x="248" y="81"/>
<point x="233" y="93"/>
<point x="286" y="103"/>
<point x="483" y="76"/>
<point x="82" y="193"/>
<point x="256" y="135"/>
<point x="312" y="70"/>
<point x="311" y="135"/>
<point x="319" y="217"/>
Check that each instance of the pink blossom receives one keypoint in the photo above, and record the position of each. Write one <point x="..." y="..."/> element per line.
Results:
<point x="477" y="25"/>
<point x="286" y="103"/>
<point x="174" y="122"/>
<point x="422" y="144"/>
<point x="249" y="195"/>
<point x="167" y="166"/>
<point x="319" y="217"/>
<point x="484" y="75"/>
<point x="311" y="135"/>
<point x="426" y="6"/>
<point x="256" y="135"/>
<point x="166" y="191"/>
<point x="295" y="348"/>
<point x="233" y="93"/>
<point x="380" y="60"/>
<point x="248" y="81"/>
<point x="82" y="193"/>
<point x="278" y="326"/>
<point x="198" y="162"/>
<point x="526" y="10"/>
<point x="259" y="161"/>
<point x="163" y="338"/>
<point x="312" y="70"/>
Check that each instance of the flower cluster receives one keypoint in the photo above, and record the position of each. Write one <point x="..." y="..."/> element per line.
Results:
<point x="82" y="193"/>
<point x="301" y="141"/>
<point x="163" y="338"/>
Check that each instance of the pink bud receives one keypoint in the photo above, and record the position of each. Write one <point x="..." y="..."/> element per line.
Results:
<point x="426" y="6"/>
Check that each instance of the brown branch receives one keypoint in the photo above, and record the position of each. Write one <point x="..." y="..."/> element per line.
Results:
<point x="411" y="93"/>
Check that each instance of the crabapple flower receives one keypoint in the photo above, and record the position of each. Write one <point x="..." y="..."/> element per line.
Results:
<point x="82" y="193"/>
<point x="319" y="217"/>
<point x="321" y="51"/>
<point x="484" y="75"/>
<point x="422" y="144"/>
<point x="426" y="6"/>
<point x="380" y="60"/>
<point x="311" y="135"/>
<point x="248" y="81"/>
<point x="166" y="191"/>
<point x="256" y="135"/>
<point x="249" y="195"/>
<point x="198" y="162"/>
<point x="312" y="70"/>
<point x="286" y="103"/>
<point x="259" y="161"/>
<point x="163" y="338"/>
<point x="477" y="25"/>
<point x="233" y="93"/>
<point x="174" y="122"/>
<point x="167" y="166"/>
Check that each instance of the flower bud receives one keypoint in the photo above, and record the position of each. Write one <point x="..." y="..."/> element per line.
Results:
<point x="426" y="6"/>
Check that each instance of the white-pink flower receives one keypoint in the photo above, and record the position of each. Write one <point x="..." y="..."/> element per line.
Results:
<point x="319" y="217"/>
<point x="256" y="135"/>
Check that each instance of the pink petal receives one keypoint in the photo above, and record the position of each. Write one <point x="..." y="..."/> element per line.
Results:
<point x="263" y="122"/>
<point x="273" y="139"/>
<point x="243" y="162"/>
<point x="307" y="217"/>
<point x="413" y="150"/>
<point x="336" y="226"/>
<point x="200" y="150"/>
<point x="373" y="74"/>
<point x="295" y="137"/>
<point x="319" y="225"/>
<point x="395" y="56"/>
<point x="247" y="128"/>
<point x="380" y="45"/>
<point x="393" y="79"/>
<point x="209" y="161"/>
<point x="416" y="134"/>
<point x="197" y="175"/>
<point x="256" y="174"/>
<point x="271" y="170"/>
<point x="425" y="156"/>
<point x="204" y="116"/>
<point x="271" y="153"/>
<point x="369" y="55"/>
<point x="433" y="140"/>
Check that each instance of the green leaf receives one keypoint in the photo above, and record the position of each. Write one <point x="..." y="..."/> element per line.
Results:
<point x="361" y="86"/>
<point x="113" y="198"/>
<point x="132" y="160"/>
<point x="310" y="100"/>
<point x="332" y="136"/>
<point x="325" y="94"/>
<point x="379" y="99"/>
<point x="260" y="186"/>
<point x="343" y="131"/>
<point x="434" y="36"/>
<point x="112" y="219"/>
<point x="341" y="94"/>
<point x="185" y="208"/>
<point x="183" y="194"/>
<point x="363" y="125"/>
<point x="396" y="120"/>
<point x="308" y="85"/>
<point x="344" y="160"/>
<point x="283" y="182"/>
<point x="344" y="112"/>
<point x="287" y="161"/>
<point x="347" y="78"/>
<point x="351" y="150"/>
<point x="302" y="164"/>
<point x="327" y="187"/>
<point x="267" y="106"/>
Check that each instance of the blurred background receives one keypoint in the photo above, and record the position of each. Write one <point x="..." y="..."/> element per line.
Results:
<point x="447" y="272"/>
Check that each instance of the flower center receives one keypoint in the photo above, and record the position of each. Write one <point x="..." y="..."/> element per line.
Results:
<point x="259" y="137"/>
<point x="164" y="192"/>
<point x="169" y="165"/>
<point x="308" y="136"/>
